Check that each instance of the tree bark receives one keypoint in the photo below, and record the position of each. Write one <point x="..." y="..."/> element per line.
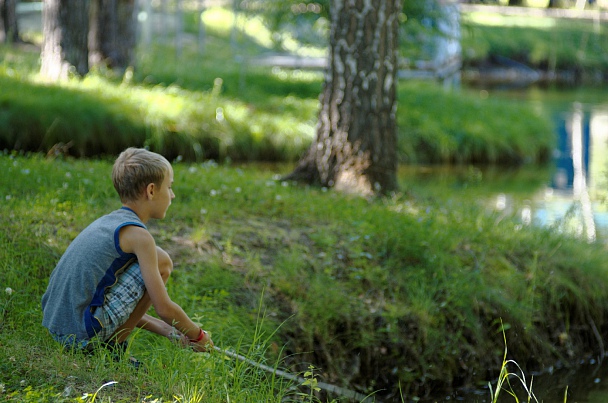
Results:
<point x="65" y="28"/>
<point x="356" y="145"/>
<point x="112" y="37"/>
<point x="9" y="27"/>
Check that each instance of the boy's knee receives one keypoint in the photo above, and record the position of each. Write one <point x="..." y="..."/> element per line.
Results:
<point x="165" y="264"/>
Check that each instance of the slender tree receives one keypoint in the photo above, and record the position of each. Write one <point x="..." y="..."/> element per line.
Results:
<point x="65" y="29"/>
<point x="9" y="27"/>
<point x="356" y="144"/>
<point x="112" y="35"/>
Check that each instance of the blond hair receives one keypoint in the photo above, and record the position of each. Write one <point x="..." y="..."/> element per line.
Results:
<point x="135" y="169"/>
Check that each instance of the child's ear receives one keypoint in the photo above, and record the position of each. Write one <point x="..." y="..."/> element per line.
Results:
<point x="150" y="189"/>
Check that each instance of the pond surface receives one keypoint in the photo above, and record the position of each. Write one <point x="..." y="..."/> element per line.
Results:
<point x="571" y="195"/>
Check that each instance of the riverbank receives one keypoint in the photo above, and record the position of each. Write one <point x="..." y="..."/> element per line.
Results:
<point x="415" y="290"/>
<point x="514" y="46"/>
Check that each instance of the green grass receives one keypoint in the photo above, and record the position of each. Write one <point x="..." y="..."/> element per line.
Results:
<point x="223" y="107"/>
<point x="541" y="42"/>
<point x="469" y="127"/>
<point x="414" y="286"/>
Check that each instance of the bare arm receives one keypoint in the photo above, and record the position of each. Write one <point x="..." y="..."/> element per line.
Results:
<point x="139" y="241"/>
<point x="155" y="325"/>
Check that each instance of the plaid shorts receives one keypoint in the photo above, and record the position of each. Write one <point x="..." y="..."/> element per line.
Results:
<point x="120" y="301"/>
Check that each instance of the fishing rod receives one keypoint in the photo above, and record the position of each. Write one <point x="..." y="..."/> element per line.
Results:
<point x="321" y="385"/>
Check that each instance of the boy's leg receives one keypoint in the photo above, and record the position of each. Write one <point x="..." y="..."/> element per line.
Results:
<point x="138" y="317"/>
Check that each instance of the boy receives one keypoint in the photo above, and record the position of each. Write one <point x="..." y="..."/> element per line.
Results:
<point x="113" y="271"/>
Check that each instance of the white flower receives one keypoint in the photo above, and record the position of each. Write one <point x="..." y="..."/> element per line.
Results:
<point x="2" y="388"/>
<point x="219" y="114"/>
<point x="238" y="190"/>
<point x="213" y="192"/>
<point x="8" y="290"/>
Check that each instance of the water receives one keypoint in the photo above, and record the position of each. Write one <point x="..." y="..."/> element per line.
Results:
<point x="571" y="195"/>
<point x="578" y="184"/>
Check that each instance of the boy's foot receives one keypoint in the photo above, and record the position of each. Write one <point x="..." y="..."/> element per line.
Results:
<point x="118" y="352"/>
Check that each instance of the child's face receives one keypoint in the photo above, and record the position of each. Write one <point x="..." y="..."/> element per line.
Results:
<point x="163" y="196"/>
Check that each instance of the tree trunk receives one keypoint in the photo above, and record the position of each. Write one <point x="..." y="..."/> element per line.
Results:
<point x="2" y="23"/>
<point x="9" y="28"/>
<point x="356" y="145"/>
<point x="65" y="25"/>
<point x="112" y="37"/>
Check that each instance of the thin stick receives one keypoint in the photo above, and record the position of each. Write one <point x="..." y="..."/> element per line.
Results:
<point x="325" y="386"/>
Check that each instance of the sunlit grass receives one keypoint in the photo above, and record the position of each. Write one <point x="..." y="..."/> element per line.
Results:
<point x="497" y="20"/>
<point x="250" y="115"/>
<point x="475" y="127"/>
<point x="199" y="107"/>
<point x="223" y="21"/>
<point x="539" y="42"/>
<point x="179" y="121"/>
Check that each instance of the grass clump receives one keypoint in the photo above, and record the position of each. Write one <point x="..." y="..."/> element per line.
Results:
<point x="547" y="44"/>
<point x="472" y="127"/>
<point x="374" y="293"/>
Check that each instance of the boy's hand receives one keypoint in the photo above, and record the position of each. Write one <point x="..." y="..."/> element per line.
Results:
<point x="179" y="338"/>
<point x="204" y="345"/>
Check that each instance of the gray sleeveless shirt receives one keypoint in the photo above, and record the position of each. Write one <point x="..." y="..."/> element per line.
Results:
<point x="89" y="265"/>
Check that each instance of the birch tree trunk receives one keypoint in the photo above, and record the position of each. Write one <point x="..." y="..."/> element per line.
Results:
<point x="356" y="145"/>
<point x="65" y="25"/>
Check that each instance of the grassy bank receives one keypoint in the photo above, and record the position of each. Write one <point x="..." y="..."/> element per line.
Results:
<point x="411" y="292"/>
<point x="213" y="106"/>
<point x="573" y="50"/>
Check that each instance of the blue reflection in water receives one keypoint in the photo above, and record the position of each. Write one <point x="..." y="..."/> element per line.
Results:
<point x="571" y="199"/>
<point x="564" y="175"/>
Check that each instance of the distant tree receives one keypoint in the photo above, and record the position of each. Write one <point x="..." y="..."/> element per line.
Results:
<point x="112" y="35"/>
<point x="9" y="27"/>
<point x="356" y="144"/>
<point x="308" y="20"/>
<point x="65" y="25"/>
